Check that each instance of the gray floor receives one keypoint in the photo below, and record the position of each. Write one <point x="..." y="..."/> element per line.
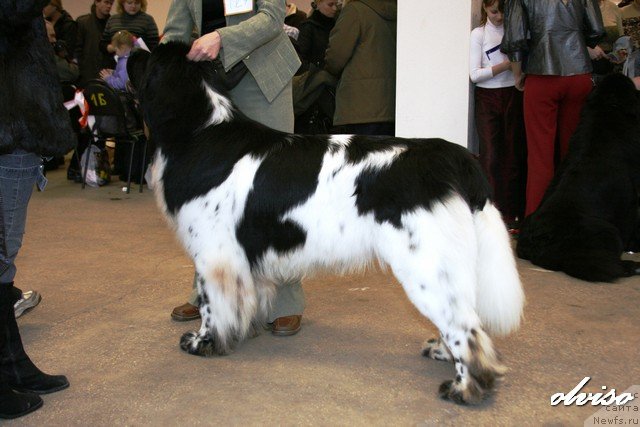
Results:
<point x="110" y="272"/>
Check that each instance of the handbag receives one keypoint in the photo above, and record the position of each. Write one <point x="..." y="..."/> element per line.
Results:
<point x="231" y="78"/>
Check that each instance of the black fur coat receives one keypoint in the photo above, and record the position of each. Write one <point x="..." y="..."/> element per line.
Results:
<point x="32" y="115"/>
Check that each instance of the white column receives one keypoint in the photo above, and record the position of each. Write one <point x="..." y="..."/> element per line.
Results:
<point x="432" y="91"/>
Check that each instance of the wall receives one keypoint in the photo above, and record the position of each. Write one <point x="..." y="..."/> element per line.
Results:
<point x="432" y="97"/>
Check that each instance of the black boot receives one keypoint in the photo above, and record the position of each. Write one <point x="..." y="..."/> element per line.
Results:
<point x="12" y="404"/>
<point x="16" y="367"/>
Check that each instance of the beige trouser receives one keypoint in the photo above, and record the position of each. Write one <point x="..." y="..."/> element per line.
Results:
<point x="278" y="114"/>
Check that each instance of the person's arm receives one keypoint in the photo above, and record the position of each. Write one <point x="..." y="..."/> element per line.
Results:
<point x="305" y="41"/>
<point x="596" y="52"/>
<point x="478" y="73"/>
<point x="514" y="42"/>
<point x="78" y="49"/>
<point x="619" y="22"/>
<point x="235" y="42"/>
<point x="69" y="34"/>
<point x="118" y="78"/>
<point x="516" y="29"/>
<point x="67" y="71"/>
<point x="593" y="28"/>
<point x="342" y="40"/>
<point x="179" y="25"/>
<point x="518" y="75"/>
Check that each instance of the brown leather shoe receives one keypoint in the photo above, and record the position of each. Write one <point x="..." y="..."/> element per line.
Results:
<point x="287" y="325"/>
<point x="185" y="312"/>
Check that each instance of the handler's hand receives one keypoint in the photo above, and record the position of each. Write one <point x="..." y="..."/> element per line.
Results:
<point x="596" y="53"/>
<point x="205" y="48"/>
<point x="520" y="82"/>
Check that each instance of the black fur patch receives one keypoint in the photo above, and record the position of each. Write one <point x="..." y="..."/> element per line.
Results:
<point x="426" y="173"/>
<point x="287" y="177"/>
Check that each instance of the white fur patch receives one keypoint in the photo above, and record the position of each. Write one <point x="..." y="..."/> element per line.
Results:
<point x="207" y="224"/>
<point x="222" y="108"/>
<point x="341" y="141"/>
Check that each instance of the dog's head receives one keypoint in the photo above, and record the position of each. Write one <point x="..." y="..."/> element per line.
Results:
<point x="615" y="94"/>
<point x="172" y="89"/>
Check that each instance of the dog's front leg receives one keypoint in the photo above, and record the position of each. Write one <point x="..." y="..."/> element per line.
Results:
<point x="228" y="303"/>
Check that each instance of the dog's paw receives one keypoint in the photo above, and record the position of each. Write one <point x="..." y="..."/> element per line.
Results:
<point x="193" y="343"/>
<point x="469" y="394"/>
<point x="436" y="349"/>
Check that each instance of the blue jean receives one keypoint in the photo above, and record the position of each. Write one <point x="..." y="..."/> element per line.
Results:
<point x="19" y="171"/>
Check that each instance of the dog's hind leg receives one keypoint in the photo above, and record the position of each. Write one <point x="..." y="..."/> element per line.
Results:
<point x="434" y="257"/>
<point x="462" y="337"/>
<point x="228" y="305"/>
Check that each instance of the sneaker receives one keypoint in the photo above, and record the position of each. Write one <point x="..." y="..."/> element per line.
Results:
<point x="29" y="300"/>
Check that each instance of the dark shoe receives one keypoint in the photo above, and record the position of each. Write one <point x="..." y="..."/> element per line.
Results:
<point x="14" y="405"/>
<point x="16" y="369"/>
<point x="185" y="312"/>
<point x="287" y="325"/>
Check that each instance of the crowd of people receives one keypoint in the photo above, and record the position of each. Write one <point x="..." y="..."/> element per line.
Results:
<point x="338" y="65"/>
<point x="533" y="68"/>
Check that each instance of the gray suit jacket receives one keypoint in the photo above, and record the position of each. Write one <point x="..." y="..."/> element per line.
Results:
<point x="256" y="37"/>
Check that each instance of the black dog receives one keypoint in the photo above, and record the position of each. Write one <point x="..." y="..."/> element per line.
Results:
<point x="589" y="214"/>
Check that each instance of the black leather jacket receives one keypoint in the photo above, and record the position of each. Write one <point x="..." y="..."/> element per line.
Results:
<point x="560" y="31"/>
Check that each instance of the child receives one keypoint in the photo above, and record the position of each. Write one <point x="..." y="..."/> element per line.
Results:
<point x="498" y="111"/>
<point x="123" y="42"/>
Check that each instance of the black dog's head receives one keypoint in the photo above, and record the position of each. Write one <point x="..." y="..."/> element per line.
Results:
<point x="609" y="122"/>
<point x="171" y="89"/>
<point x="615" y="94"/>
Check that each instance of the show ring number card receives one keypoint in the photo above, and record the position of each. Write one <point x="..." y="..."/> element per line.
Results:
<point x="234" y="7"/>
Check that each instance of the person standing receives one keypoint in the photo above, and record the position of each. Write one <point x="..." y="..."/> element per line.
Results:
<point x="132" y="16"/>
<point x="314" y="33"/>
<point x="498" y="111"/>
<point x="65" y="27"/>
<point x="257" y="39"/>
<point x="34" y="124"/>
<point x="558" y="77"/>
<point x="362" y="53"/>
<point x="87" y="49"/>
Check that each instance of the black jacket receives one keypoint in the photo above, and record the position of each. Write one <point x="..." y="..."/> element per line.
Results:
<point x="314" y="39"/>
<point x="32" y="115"/>
<point x="552" y="35"/>
<point x="87" y="50"/>
<point x="66" y="30"/>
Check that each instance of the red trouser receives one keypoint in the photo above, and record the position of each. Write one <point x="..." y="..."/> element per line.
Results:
<point x="552" y="107"/>
<point x="502" y="147"/>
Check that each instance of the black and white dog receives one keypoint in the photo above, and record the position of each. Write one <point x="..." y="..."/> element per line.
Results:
<point x="255" y="207"/>
<point x="589" y="215"/>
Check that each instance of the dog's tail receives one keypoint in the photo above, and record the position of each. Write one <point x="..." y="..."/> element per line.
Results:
<point x="499" y="295"/>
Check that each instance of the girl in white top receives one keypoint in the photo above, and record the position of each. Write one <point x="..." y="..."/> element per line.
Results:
<point x="498" y="108"/>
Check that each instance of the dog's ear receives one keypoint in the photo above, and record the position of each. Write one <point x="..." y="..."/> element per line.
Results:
<point x="137" y="67"/>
